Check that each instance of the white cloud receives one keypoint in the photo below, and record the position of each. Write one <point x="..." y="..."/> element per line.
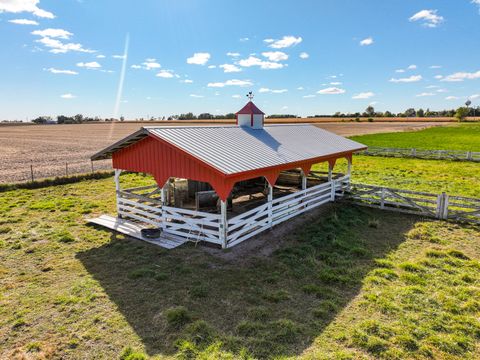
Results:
<point x="437" y="66"/>
<point x="244" y="39"/>
<point x="335" y="83"/>
<point x="451" y="98"/>
<point x="475" y="96"/>
<point x="331" y="91"/>
<point x="212" y="66"/>
<point x="366" y="42"/>
<point x="364" y="95"/>
<point x="56" y="46"/>
<point x="425" y="94"/>
<point x="304" y="55"/>
<point x="196" y="96"/>
<point x="284" y="107"/>
<point x="152" y="64"/>
<point x="399" y="71"/>
<point x="100" y="56"/>
<point x="229" y="68"/>
<point x="18" y="6"/>
<point x="412" y="67"/>
<point x="284" y="42"/>
<point x="118" y="56"/>
<point x="267" y="90"/>
<point x="254" y="61"/>
<point x="477" y="2"/>
<point x="23" y="22"/>
<point x="442" y="90"/>
<point x="429" y="18"/>
<point x="187" y="81"/>
<point x="53" y="33"/>
<point x="166" y="74"/>
<point x="275" y="55"/>
<point x="309" y="96"/>
<point x="438" y="77"/>
<point x="57" y="71"/>
<point x="233" y="54"/>
<point x="413" y="78"/>
<point x="300" y="88"/>
<point x="461" y="76"/>
<point x="236" y="96"/>
<point x="233" y="82"/>
<point x="68" y="96"/>
<point x="431" y="86"/>
<point x="136" y="66"/>
<point x="89" y="65"/>
<point x="199" y="58"/>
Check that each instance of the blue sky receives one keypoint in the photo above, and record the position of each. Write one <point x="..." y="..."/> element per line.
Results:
<point x="300" y="57"/>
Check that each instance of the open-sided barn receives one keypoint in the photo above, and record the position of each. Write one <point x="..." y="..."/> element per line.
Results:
<point x="238" y="167"/>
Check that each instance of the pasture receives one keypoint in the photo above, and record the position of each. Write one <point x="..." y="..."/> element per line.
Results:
<point x="49" y="148"/>
<point x="349" y="283"/>
<point x="454" y="137"/>
<point x="340" y="282"/>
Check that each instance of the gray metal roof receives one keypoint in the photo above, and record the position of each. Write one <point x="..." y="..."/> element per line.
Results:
<point x="234" y="149"/>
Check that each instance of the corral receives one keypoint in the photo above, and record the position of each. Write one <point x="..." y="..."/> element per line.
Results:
<point x="226" y="163"/>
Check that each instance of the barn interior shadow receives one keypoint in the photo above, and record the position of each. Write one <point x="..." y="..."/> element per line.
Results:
<point x="272" y="305"/>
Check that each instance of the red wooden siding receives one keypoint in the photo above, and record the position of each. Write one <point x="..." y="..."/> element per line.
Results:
<point x="164" y="160"/>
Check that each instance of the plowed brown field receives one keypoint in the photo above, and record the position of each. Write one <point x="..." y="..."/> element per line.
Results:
<point x="49" y="148"/>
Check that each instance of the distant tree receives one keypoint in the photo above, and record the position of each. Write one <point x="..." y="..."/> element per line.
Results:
<point x="388" y="114"/>
<point x="78" y="118"/>
<point x="420" y="113"/>
<point x="461" y="113"/>
<point x="230" y="116"/>
<point x="205" y="116"/>
<point x="42" y="120"/>
<point x="370" y="111"/>
<point x="410" y="112"/>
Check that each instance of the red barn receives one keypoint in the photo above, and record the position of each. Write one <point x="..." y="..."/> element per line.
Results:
<point x="227" y="162"/>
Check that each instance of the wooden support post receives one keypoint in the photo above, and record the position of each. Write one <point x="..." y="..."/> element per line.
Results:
<point x="270" y="199"/>
<point x="382" y="199"/>
<point x="304" y="181"/>
<point x="223" y="224"/>
<point x="117" y="189"/>
<point x="330" y="172"/>
<point x="332" y="189"/>
<point x="163" y="199"/>
<point x="31" y="172"/>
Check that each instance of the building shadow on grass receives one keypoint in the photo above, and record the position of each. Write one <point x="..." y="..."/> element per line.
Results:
<point x="188" y="298"/>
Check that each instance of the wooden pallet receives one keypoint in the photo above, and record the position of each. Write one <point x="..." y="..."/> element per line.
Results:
<point x="134" y="230"/>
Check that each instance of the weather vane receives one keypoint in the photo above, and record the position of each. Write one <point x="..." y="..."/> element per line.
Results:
<point x="250" y="95"/>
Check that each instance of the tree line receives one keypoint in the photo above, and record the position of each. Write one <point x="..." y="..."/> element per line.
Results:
<point x="370" y="112"/>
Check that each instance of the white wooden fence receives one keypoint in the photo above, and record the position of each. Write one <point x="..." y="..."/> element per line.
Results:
<point x="439" y="206"/>
<point x="143" y="205"/>
<point x="265" y="216"/>
<point x="458" y="155"/>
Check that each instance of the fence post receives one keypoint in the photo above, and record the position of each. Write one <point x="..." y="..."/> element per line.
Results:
<point x="91" y="163"/>
<point x="31" y="171"/>
<point x="332" y="190"/>
<point x="66" y="168"/>
<point x="445" y="206"/>
<point x="270" y="199"/>
<point x="439" y="212"/>
<point x="414" y="152"/>
<point x="223" y="224"/>
<point x="382" y="199"/>
<point x="469" y="155"/>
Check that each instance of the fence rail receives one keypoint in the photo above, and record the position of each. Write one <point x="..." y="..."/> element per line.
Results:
<point x="458" y="155"/>
<point x="439" y="206"/>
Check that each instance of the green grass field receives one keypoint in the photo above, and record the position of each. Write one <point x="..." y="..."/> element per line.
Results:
<point x="453" y="137"/>
<point x="351" y="283"/>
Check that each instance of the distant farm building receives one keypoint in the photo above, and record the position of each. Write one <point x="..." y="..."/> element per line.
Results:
<point x="224" y="184"/>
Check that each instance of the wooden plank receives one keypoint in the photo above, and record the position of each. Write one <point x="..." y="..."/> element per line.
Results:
<point x="141" y="205"/>
<point x="140" y="218"/>
<point x="192" y="212"/>
<point x="133" y="230"/>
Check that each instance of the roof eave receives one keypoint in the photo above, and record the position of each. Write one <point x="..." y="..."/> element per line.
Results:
<point x="129" y="140"/>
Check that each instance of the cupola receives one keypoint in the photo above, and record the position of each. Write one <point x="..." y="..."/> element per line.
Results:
<point x="250" y="115"/>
